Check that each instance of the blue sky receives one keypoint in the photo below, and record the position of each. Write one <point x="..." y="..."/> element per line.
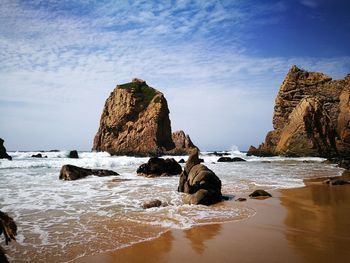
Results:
<point x="219" y="63"/>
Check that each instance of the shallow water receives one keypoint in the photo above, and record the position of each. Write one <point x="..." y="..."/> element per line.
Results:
<point x="59" y="221"/>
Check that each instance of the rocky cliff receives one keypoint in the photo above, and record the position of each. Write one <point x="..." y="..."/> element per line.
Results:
<point x="135" y="121"/>
<point x="311" y="117"/>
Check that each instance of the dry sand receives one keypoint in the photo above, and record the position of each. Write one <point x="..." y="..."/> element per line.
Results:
<point x="309" y="224"/>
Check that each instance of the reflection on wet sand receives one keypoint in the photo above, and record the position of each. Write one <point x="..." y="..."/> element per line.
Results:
<point x="317" y="222"/>
<point x="154" y="251"/>
<point x="198" y="238"/>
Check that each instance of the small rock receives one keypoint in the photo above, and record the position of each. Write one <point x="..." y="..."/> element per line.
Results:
<point x="71" y="172"/>
<point x="73" y="154"/>
<point x="229" y="159"/>
<point x="238" y="159"/>
<point x="39" y="155"/>
<point x="260" y="193"/>
<point x="225" y="159"/>
<point x="153" y="203"/>
<point x="181" y="161"/>
<point x="159" y="167"/>
<point x="241" y="199"/>
<point x="336" y="182"/>
<point x="3" y="153"/>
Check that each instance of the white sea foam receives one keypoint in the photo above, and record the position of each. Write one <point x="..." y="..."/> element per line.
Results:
<point x="78" y="215"/>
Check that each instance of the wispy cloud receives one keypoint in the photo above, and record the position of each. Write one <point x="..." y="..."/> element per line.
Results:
<point x="310" y="3"/>
<point x="70" y="54"/>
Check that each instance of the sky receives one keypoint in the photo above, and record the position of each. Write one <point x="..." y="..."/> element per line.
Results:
<point x="218" y="63"/>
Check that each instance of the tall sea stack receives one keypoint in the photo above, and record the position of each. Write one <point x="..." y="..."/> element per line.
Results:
<point x="311" y="117"/>
<point x="135" y="121"/>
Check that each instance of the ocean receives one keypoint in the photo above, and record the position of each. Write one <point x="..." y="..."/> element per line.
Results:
<point x="59" y="221"/>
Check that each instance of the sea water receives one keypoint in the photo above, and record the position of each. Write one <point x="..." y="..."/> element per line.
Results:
<point x="59" y="221"/>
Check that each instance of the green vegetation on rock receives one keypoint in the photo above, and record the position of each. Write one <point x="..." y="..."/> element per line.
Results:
<point x="147" y="92"/>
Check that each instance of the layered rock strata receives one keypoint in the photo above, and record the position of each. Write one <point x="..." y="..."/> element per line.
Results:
<point x="311" y="117"/>
<point x="135" y="121"/>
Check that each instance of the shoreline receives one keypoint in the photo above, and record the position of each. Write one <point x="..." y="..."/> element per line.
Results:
<point x="306" y="224"/>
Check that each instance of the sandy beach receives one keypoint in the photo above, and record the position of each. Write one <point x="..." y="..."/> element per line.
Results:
<point x="308" y="224"/>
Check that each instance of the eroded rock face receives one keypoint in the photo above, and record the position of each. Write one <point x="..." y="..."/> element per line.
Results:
<point x="71" y="172"/>
<point x="135" y="121"/>
<point x="3" y="153"/>
<point x="311" y="117"/>
<point x="197" y="180"/>
<point x="183" y="143"/>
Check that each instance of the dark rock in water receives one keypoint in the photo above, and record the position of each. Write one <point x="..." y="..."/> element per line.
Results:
<point x="229" y="159"/>
<point x="54" y="151"/>
<point x="200" y="182"/>
<point x="38" y="155"/>
<point x="3" y="153"/>
<point x="153" y="203"/>
<point x="241" y="199"/>
<point x="343" y="162"/>
<point x="238" y="159"/>
<point x="8" y="227"/>
<point x="73" y="154"/>
<point x="72" y="172"/>
<point x="335" y="181"/>
<point x="260" y="193"/>
<point x="159" y="167"/>
<point x="225" y="159"/>
<point x="181" y="161"/>
<point x="201" y="160"/>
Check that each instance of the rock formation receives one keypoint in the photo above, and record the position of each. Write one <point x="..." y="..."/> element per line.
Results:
<point x="183" y="143"/>
<point x="38" y="155"/>
<point x="226" y="159"/>
<point x="260" y="193"/>
<point x="311" y="117"/>
<point x="3" y="153"/>
<point x="73" y="154"/>
<point x="197" y="180"/>
<point x="71" y="172"/>
<point x="8" y="227"/>
<point x="135" y="121"/>
<point x="159" y="167"/>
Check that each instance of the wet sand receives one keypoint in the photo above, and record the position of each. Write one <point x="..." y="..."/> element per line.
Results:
<point x="309" y="224"/>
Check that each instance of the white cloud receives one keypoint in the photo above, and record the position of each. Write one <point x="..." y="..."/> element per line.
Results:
<point x="62" y="66"/>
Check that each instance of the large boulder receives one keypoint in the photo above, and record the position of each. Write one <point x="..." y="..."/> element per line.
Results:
<point x="311" y="117"/>
<point x="3" y="153"/>
<point x="197" y="180"/>
<point x="159" y="167"/>
<point x="71" y="172"/>
<point x="135" y="121"/>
